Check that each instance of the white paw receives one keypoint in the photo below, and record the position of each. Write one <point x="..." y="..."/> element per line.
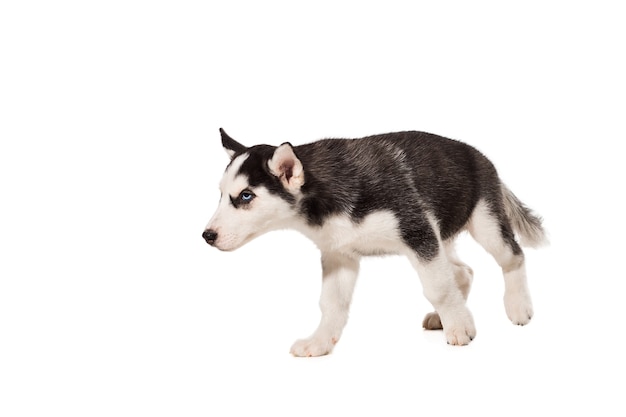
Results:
<point x="519" y="309"/>
<point x="460" y="332"/>
<point x="313" y="346"/>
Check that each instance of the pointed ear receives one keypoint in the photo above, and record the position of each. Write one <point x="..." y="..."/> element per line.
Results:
<point x="231" y="146"/>
<point x="286" y="166"/>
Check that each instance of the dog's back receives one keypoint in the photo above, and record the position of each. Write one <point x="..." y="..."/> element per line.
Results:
<point x="409" y="173"/>
<point x="398" y="171"/>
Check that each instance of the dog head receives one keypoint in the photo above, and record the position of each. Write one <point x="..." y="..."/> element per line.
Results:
<point x="259" y="192"/>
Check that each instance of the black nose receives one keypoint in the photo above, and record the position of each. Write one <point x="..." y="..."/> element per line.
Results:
<point x="210" y="236"/>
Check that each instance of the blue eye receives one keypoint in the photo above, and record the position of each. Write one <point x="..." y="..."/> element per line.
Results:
<point x="246" y="196"/>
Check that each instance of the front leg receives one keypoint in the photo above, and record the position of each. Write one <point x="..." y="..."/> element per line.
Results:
<point x="443" y="289"/>
<point x="339" y="273"/>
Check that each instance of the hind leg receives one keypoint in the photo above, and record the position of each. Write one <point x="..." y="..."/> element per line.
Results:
<point x="442" y="290"/>
<point x="463" y="276"/>
<point x="492" y="230"/>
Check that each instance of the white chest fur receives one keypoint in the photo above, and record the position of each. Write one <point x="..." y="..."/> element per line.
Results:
<point x="376" y="234"/>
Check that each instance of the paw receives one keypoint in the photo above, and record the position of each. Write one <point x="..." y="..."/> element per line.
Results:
<point x="432" y="321"/>
<point x="461" y="332"/>
<point x="313" y="346"/>
<point x="518" y="309"/>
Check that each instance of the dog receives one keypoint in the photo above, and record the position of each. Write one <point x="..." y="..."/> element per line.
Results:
<point x="407" y="193"/>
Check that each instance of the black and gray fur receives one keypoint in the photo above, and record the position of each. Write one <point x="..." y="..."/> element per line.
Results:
<point x="409" y="173"/>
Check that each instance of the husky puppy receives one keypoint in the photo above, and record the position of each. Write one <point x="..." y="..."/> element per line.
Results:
<point x="408" y="193"/>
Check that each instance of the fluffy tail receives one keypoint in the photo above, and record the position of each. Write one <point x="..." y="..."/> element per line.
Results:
<point x="525" y="223"/>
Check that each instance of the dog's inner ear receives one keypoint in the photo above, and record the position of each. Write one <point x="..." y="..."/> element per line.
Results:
<point x="231" y="146"/>
<point x="286" y="166"/>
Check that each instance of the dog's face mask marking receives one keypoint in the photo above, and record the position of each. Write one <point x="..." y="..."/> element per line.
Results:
<point x="247" y="210"/>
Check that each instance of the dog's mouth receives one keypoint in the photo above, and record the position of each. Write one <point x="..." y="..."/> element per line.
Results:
<point x="226" y="242"/>
<point x="226" y="248"/>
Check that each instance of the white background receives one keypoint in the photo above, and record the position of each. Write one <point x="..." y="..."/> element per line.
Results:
<point x="112" y="304"/>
